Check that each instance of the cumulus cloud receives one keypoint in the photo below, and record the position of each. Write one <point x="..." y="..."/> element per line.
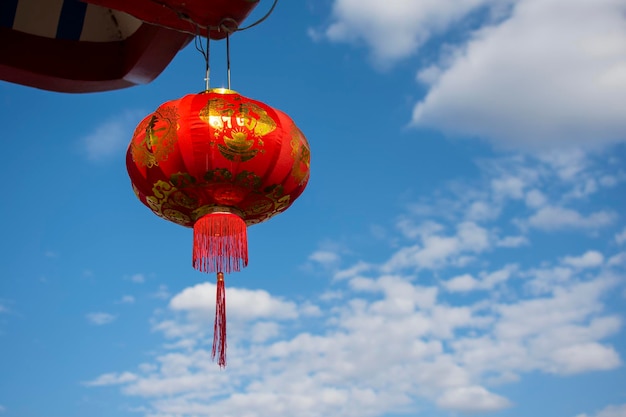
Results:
<point x="512" y="241"/>
<point x="138" y="278"/>
<point x="589" y="259"/>
<point x="126" y="299"/>
<point x="609" y="411"/>
<point x="162" y="292"/>
<point x="461" y="283"/>
<point x="243" y="304"/>
<point x="532" y="75"/>
<point x="111" y="379"/>
<point x="585" y="357"/>
<point x="535" y="199"/>
<point x="358" y="365"/>
<point x="437" y="250"/>
<point x="487" y="280"/>
<point x="472" y="399"/>
<point x="324" y="257"/>
<point x="393" y="29"/>
<point x="100" y="318"/>
<point x="560" y="85"/>
<point x="111" y="137"/>
<point x="419" y="326"/>
<point x="552" y="218"/>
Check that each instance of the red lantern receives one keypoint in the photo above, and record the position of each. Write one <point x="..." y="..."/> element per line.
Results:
<point x="218" y="162"/>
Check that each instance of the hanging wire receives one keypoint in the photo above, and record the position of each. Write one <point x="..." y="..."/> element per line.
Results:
<point x="195" y="25"/>
<point x="261" y="20"/>
<point x="228" y="58"/>
<point x="227" y="25"/>
<point x="205" y="54"/>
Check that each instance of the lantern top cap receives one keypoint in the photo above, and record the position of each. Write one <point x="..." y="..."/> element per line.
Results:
<point x="220" y="91"/>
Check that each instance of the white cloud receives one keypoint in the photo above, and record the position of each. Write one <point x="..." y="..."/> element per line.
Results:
<point x="472" y="399"/>
<point x="487" y="281"/>
<point x="617" y="259"/>
<point x="111" y="137"/>
<point x="608" y="181"/>
<point x="610" y="411"/>
<point x="409" y="229"/>
<point x="584" y="189"/>
<point x="112" y="379"/>
<point x="437" y="251"/>
<point x="568" y="164"/>
<point x="512" y="242"/>
<point x="162" y="292"/>
<point x="353" y="271"/>
<point x="100" y="318"/>
<point x="2" y="409"/>
<point x="461" y="283"/>
<point x="543" y="280"/>
<point x="393" y="335"/>
<point x="242" y="303"/>
<point x="127" y="299"/>
<point x="552" y="218"/>
<point x="508" y="187"/>
<point x="138" y="278"/>
<point x="324" y="257"/>
<point x="562" y="85"/>
<point x="358" y="365"/>
<point x="585" y="357"/>
<point x="4" y="309"/>
<point x="589" y="259"/>
<point x="621" y="237"/>
<point x="613" y="411"/>
<point x="535" y="198"/>
<point x="482" y="210"/>
<point x="393" y="29"/>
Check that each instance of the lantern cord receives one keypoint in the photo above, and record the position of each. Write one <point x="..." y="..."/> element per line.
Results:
<point x="219" y="326"/>
<point x="205" y="54"/>
<point x="222" y="26"/>
<point x="261" y="20"/>
<point x="228" y="58"/>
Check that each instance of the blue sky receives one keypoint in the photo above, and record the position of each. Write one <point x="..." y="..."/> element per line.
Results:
<point x="460" y="248"/>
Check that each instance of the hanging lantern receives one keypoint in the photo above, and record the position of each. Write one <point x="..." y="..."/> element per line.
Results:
<point x="218" y="162"/>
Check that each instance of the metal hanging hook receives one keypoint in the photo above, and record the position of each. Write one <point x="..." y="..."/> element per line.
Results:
<point x="228" y="58"/>
<point x="205" y="54"/>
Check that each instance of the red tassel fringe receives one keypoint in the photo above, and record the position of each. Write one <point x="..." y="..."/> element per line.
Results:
<point x="219" y="327"/>
<point x="220" y="243"/>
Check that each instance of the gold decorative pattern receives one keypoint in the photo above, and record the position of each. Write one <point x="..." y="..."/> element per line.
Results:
<point x="240" y="125"/>
<point x="238" y="145"/>
<point x="159" y="139"/>
<point x="165" y="197"/>
<point x="301" y="155"/>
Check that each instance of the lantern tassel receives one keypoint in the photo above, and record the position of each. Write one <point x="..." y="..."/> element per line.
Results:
<point x="220" y="243"/>
<point x="219" y="326"/>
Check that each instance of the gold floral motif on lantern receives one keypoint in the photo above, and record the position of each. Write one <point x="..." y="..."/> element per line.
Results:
<point x="166" y="199"/>
<point x="159" y="138"/>
<point x="246" y="122"/>
<point x="301" y="155"/>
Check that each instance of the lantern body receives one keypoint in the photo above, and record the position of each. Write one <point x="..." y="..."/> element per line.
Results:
<point x="218" y="162"/>
<point x="217" y="151"/>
